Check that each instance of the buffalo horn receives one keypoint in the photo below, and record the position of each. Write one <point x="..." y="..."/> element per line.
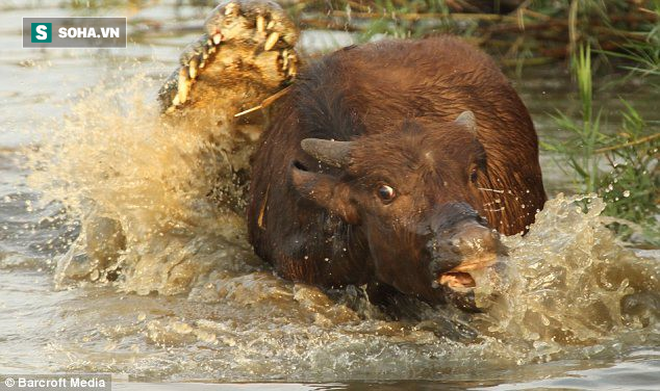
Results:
<point x="334" y="153"/>
<point x="467" y="119"/>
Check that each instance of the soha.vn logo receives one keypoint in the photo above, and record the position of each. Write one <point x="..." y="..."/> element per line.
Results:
<point x="41" y="32"/>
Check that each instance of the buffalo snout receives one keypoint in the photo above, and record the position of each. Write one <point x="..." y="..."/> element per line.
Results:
<point x="473" y="239"/>
<point x="462" y="243"/>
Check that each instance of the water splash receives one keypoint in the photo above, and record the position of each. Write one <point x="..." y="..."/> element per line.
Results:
<point x="140" y="186"/>
<point x="569" y="282"/>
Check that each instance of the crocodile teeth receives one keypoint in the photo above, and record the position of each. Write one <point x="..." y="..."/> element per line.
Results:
<point x="209" y="42"/>
<point x="184" y="85"/>
<point x="271" y="24"/>
<point x="292" y="69"/>
<point x="192" y="69"/>
<point x="285" y="59"/>
<point x="261" y="24"/>
<point x="176" y="101"/>
<point x="231" y="9"/>
<point x="271" y="41"/>
<point x="212" y="50"/>
<point x="217" y="38"/>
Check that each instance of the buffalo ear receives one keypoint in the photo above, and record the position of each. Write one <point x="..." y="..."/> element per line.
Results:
<point x="467" y="120"/>
<point x="326" y="191"/>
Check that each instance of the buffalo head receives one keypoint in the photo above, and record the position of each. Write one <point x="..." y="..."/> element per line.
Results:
<point x="413" y="193"/>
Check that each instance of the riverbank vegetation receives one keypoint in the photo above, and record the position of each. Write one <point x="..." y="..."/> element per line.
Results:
<point x="519" y="32"/>
<point x="621" y="167"/>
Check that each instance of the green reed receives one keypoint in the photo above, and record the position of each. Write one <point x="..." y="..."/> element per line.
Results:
<point x="621" y="167"/>
<point x="518" y="32"/>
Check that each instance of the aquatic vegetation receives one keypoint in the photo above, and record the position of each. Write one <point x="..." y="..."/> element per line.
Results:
<point x="521" y="32"/>
<point x="622" y="167"/>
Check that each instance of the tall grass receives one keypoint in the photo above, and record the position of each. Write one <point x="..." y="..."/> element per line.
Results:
<point x="622" y="167"/>
<point x="643" y="57"/>
<point x="586" y="134"/>
<point x="527" y="32"/>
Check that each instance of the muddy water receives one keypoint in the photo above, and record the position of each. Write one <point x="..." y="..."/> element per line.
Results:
<point x="186" y="302"/>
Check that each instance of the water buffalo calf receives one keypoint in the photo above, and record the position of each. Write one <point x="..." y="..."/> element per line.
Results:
<point x="392" y="164"/>
<point x="429" y="136"/>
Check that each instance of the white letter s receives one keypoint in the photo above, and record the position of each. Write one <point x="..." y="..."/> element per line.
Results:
<point x="41" y="32"/>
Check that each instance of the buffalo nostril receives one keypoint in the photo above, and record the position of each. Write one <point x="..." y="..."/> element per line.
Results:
<point x="455" y="245"/>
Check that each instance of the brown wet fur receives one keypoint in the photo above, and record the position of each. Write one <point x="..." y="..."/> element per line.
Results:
<point x="398" y="98"/>
<point x="399" y="103"/>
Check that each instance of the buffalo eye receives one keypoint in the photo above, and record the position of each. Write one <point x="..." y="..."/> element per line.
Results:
<point x="386" y="193"/>
<point x="474" y="175"/>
